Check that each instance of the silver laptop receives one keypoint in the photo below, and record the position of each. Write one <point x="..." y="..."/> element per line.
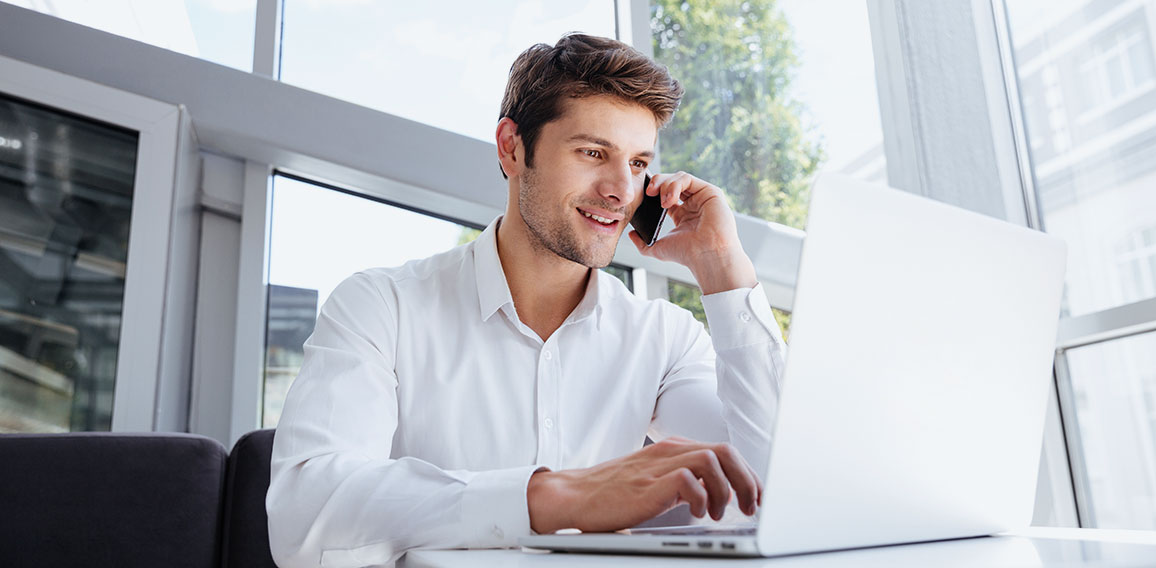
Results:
<point x="915" y="388"/>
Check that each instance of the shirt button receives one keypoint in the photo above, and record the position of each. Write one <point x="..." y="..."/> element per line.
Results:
<point x="548" y="355"/>
<point x="548" y="423"/>
<point x="745" y="316"/>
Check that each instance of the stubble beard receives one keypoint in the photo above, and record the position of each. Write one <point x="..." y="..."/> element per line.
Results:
<point x="557" y="237"/>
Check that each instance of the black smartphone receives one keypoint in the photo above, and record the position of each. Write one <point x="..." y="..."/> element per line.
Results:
<point x="648" y="218"/>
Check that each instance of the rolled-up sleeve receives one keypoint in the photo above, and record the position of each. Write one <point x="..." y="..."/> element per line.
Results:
<point x="336" y="498"/>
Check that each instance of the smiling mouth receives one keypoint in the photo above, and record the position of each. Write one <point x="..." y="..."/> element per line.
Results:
<point x="599" y="218"/>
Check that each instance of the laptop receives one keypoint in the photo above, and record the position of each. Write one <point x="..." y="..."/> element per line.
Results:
<point x="913" y="400"/>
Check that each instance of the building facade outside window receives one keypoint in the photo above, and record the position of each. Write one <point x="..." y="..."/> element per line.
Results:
<point x="1087" y="81"/>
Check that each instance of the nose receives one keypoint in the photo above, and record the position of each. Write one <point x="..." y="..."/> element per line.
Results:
<point x="619" y="185"/>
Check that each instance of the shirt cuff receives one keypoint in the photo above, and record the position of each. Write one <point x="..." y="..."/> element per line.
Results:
<point x="494" y="508"/>
<point x="740" y="317"/>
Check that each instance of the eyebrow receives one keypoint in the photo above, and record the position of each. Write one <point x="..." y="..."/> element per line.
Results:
<point x="604" y="142"/>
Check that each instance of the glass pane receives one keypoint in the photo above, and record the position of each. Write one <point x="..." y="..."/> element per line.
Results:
<point x="1085" y="77"/>
<point x="220" y="31"/>
<point x="775" y="90"/>
<point x="1115" y="393"/>
<point x="445" y="66"/>
<point x="66" y="189"/>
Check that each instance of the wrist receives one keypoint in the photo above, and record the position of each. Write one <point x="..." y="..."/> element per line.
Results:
<point x="546" y="501"/>
<point x="720" y="272"/>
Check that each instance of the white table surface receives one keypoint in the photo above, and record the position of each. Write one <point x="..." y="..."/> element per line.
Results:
<point x="1029" y="547"/>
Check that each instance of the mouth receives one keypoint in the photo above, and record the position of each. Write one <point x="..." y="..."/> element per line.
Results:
<point x="600" y="222"/>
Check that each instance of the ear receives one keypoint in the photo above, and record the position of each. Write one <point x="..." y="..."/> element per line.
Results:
<point x="511" y="153"/>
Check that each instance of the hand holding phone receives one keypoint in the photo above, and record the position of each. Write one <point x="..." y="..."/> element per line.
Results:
<point x="648" y="218"/>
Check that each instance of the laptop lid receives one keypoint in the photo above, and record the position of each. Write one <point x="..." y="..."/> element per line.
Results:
<point x="913" y="401"/>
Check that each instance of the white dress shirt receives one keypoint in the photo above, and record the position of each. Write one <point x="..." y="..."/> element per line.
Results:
<point x="424" y="404"/>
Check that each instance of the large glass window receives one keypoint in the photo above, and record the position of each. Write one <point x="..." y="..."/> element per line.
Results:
<point x="220" y="31"/>
<point x="66" y="193"/>
<point x="775" y="91"/>
<point x="1114" y="384"/>
<point x="441" y="65"/>
<point x="1087" y="79"/>
<point x="1088" y="83"/>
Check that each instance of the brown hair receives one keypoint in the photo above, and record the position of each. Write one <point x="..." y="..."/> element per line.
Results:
<point x="542" y="78"/>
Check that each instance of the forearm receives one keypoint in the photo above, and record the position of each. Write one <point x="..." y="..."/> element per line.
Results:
<point x="348" y="509"/>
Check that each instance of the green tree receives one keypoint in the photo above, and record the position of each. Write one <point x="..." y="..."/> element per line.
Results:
<point x="738" y="126"/>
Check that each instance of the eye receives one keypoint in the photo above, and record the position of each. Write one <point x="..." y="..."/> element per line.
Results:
<point x="639" y="164"/>
<point x="592" y="153"/>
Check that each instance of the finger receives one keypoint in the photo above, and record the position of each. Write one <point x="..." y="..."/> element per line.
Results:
<point x="705" y="465"/>
<point x="683" y="482"/>
<point x="638" y="242"/>
<point x="673" y="187"/>
<point x="672" y="445"/>
<point x="741" y="477"/>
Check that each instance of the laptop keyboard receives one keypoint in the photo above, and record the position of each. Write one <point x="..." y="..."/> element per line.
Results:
<point x="702" y="530"/>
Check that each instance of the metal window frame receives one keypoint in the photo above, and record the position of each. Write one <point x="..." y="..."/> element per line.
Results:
<point x="138" y="397"/>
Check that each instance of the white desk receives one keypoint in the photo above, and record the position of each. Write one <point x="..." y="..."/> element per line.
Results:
<point x="1029" y="547"/>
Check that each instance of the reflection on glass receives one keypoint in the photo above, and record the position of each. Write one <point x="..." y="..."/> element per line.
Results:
<point x="1115" y="393"/>
<point x="1087" y="79"/>
<point x="220" y="31"/>
<point x="442" y="65"/>
<point x="774" y="91"/>
<point x="66" y="188"/>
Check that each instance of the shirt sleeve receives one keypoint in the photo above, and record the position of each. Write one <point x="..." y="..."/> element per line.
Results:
<point x="336" y="498"/>
<point x="725" y="386"/>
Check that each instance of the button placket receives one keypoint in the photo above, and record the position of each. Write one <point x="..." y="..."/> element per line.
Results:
<point x="547" y="404"/>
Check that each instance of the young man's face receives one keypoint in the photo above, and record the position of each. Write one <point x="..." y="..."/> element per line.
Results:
<point x="587" y="178"/>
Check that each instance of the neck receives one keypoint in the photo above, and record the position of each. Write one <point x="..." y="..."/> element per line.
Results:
<point x="545" y="287"/>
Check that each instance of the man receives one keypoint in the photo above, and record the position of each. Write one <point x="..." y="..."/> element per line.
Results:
<point x="506" y="386"/>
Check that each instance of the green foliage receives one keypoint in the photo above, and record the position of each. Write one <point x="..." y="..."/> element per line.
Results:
<point x="468" y="235"/>
<point x="687" y="297"/>
<point x="784" y="320"/>
<point x="737" y="126"/>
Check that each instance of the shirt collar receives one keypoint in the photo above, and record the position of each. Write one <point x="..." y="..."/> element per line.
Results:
<point x="494" y="290"/>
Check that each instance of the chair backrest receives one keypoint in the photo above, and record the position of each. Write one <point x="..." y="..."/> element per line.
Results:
<point x="101" y="499"/>
<point x="246" y="522"/>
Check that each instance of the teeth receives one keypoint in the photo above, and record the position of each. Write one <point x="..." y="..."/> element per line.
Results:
<point x="602" y="220"/>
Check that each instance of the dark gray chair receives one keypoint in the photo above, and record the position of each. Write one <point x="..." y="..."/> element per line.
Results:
<point x="246" y="523"/>
<point x="100" y="499"/>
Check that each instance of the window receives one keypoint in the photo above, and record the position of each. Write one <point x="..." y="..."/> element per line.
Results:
<point x="1119" y="66"/>
<point x="442" y="65"/>
<point x="1114" y="384"/>
<point x="66" y="194"/>
<point x="1136" y="257"/>
<point x="1098" y="181"/>
<point x="220" y="31"/>
<point x="1086" y="79"/>
<point x="774" y="92"/>
<point x="320" y="236"/>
